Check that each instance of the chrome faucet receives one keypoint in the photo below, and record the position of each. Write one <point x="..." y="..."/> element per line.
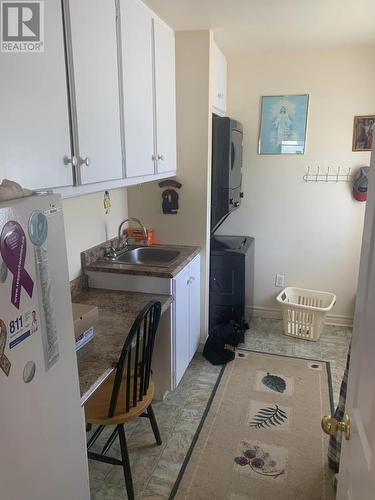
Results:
<point x="121" y="241"/>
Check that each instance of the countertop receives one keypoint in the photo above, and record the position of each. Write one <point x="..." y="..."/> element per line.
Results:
<point x="117" y="312"/>
<point x="91" y="261"/>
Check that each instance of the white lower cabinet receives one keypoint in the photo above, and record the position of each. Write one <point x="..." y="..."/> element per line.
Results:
<point x="194" y="306"/>
<point x="178" y="335"/>
<point x="181" y="324"/>
<point x="186" y="317"/>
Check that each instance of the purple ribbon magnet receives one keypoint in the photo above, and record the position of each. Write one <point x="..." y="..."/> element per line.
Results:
<point x="13" y="245"/>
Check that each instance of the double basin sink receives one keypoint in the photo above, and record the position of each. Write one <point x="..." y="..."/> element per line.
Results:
<point x="146" y="256"/>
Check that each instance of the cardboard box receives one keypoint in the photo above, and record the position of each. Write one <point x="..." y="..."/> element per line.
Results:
<point x="84" y="318"/>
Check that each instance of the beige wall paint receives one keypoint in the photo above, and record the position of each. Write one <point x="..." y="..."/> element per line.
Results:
<point x="87" y="224"/>
<point x="190" y="225"/>
<point x="309" y="232"/>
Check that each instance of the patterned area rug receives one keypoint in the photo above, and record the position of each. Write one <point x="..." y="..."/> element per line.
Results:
<point x="260" y="438"/>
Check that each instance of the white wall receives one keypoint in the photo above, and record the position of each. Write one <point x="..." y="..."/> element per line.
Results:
<point x="190" y="226"/>
<point x="309" y="232"/>
<point x="87" y="224"/>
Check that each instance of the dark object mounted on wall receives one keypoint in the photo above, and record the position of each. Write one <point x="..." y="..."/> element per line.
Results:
<point x="170" y="183"/>
<point x="170" y="201"/>
<point x="170" y="196"/>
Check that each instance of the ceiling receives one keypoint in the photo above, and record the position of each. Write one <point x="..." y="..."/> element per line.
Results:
<point x="247" y="26"/>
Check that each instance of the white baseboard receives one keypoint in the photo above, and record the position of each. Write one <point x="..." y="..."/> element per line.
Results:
<point x="275" y="313"/>
<point x="339" y="320"/>
<point x="263" y="312"/>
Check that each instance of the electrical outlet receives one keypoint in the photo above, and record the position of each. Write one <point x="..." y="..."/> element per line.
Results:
<point x="279" y="281"/>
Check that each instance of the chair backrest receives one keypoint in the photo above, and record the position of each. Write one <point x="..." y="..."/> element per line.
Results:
<point x="135" y="358"/>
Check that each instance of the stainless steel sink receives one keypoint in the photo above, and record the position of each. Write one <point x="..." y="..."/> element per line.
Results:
<point x="148" y="256"/>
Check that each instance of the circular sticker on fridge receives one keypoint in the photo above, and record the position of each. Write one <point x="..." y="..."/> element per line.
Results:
<point x="38" y="228"/>
<point x="29" y="372"/>
<point x="3" y="272"/>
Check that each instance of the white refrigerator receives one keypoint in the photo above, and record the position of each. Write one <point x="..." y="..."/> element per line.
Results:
<point x="42" y="430"/>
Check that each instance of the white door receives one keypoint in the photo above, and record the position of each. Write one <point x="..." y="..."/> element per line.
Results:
<point x="181" y="323"/>
<point x="165" y="96"/>
<point x="34" y="124"/>
<point x="97" y="90"/>
<point x="137" y="61"/>
<point x="194" y="305"/>
<point x="357" y="466"/>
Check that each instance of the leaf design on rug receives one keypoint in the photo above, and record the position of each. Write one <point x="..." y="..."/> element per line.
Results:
<point x="268" y="417"/>
<point x="274" y="382"/>
<point x="260" y="462"/>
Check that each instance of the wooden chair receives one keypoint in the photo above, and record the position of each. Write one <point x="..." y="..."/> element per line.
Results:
<point x="128" y="392"/>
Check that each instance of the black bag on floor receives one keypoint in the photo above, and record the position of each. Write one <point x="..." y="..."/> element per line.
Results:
<point x="220" y="347"/>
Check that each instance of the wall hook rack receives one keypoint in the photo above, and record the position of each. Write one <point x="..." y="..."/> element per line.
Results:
<point x="327" y="176"/>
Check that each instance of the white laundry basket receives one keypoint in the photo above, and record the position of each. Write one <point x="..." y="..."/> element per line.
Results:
<point x="304" y="311"/>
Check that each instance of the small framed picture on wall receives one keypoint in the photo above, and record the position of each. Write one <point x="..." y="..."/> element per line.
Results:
<point x="363" y="132"/>
<point x="283" y="124"/>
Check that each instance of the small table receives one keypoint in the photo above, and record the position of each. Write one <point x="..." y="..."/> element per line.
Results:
<point x="117" y="312"/>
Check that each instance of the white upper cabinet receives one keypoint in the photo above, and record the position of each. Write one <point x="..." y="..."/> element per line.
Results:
<point x="219" y="81"/>
<point x="148" y="60"/>
<point x="94" y="45"/>
<point x="34" y="118"/>
<point x="137" y="62"/>
<point x="165" y="97"/>
<point x="96" y="109"/>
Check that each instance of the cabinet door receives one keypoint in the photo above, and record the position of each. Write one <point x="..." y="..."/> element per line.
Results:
<point x="181" y="323"/>
<point x="165" y="96"/>
<point x="94" y="44"/>
<point x="194" y="306"/>
<point x="34" y="124"/>
<point x="137" y="58"/>
<point x="219" y="80"/>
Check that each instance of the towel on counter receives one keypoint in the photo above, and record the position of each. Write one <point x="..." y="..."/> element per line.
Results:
<point x="10" y="190"/>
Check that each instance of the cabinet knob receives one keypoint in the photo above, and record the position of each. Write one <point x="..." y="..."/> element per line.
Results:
<point x="220" y="95"/>
<point x="84" y="161"/>
<point x="70" y="160"/>
<point x="161" y="157"/>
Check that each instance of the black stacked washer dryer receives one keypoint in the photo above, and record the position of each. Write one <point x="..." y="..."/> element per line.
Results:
<point x="231" y="257"/>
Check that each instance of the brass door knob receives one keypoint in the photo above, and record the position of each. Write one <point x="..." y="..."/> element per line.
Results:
<point x="331" y="426"/>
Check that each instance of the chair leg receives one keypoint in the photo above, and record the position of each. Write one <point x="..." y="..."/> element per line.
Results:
<point x="154" y="425"/>
<point x="126" y="463"/>
<point x="110" y="441"/>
